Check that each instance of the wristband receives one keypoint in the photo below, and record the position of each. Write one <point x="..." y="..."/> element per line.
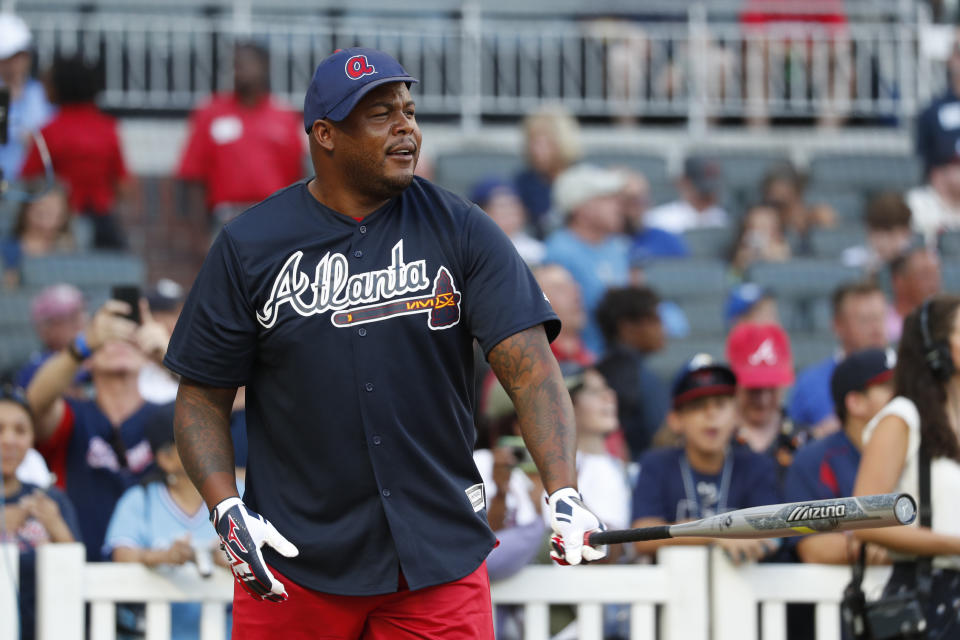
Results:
<point x="79" y="348"/>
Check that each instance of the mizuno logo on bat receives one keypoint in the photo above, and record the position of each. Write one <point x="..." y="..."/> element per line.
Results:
<point x="803" y="512"/>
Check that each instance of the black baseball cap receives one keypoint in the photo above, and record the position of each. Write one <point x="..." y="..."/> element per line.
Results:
<point x="702" y="376"/>
<point x="343" y="78"/>
<point x="860" y="370"/>
<point x="158" y="430"/>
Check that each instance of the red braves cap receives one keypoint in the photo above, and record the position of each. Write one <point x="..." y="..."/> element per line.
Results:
<point x="343" y="78"/>
<point x="759" y="355"/>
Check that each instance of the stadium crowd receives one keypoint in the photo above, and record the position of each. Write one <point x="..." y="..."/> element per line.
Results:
<point x="689" y="401"/>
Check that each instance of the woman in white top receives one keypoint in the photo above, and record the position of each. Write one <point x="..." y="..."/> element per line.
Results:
<point x="927" y="402"/>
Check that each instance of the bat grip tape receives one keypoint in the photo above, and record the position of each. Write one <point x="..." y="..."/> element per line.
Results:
<point x="661" y="532"/>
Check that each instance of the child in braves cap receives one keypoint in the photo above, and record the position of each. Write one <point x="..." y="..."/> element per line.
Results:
<point x="705" y="475"/>
<point x="343" y="78"/>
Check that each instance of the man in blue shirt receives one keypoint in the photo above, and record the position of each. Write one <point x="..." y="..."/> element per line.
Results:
<point x="859" y="315"/>
<point x="648" y="242"/>
<point x="827" y="468"/>
<point x="591" y="245"/>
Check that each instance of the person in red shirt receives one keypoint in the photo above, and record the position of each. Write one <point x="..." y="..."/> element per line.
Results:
<point x="242" y="145"/>
<point x="84" y="150"/>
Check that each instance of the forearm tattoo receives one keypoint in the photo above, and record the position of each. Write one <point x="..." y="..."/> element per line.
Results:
<point x="202" y="430"/>
<point x="529" y="373"/>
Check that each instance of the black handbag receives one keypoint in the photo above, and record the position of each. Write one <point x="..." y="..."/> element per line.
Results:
<point x="897" y="616"/>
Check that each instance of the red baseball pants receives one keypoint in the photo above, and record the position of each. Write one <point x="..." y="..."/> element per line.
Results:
<point x="459" y="610"/>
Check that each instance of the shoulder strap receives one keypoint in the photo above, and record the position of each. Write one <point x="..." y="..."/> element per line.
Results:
<point x="925" y="511"/>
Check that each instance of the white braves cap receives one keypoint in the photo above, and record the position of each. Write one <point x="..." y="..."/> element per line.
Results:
<point x="582" y="183"/>
<point x="14" y="35"/>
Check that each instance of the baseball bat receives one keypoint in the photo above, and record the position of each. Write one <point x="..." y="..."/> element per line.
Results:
<point x="779" y="520"/>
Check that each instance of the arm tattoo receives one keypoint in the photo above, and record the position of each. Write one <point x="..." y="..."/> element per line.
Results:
<point x="529" y="373"/>
<point x="202" y="430"/>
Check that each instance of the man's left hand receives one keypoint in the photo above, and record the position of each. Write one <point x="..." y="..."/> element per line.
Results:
<point x="571" y="520"/>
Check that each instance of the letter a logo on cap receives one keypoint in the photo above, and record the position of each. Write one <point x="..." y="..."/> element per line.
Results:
<point x="765" y="354"/>
<point x="358" y="67"/>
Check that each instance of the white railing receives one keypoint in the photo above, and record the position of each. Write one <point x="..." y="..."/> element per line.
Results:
<point x="700" y="595"/>
<point x="471" y="64"/>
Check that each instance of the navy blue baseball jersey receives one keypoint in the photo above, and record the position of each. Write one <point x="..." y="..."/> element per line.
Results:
<point x="823" y="469"/>
<point x="355" y="341"/>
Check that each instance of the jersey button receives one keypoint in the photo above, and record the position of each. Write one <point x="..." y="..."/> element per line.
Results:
<point x="358" y="254"/>
<point x="386" y="493"/>
<point x="376" y="440"/>
<point x="362" y="331"/>
<point x="368" y="386"/>
<point x="363" y="228"/>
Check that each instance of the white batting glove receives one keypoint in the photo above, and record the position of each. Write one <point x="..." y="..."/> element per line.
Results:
<point x="242" y="533"/>
<point x="571" y="520"/>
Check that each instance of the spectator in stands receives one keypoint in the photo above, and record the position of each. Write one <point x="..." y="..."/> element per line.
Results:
<point x="938" y="124"/>
<point x="29" y="108"/>
<point x="698" y="206"/>
<point x="632" y="329"/>
<point x="859" y="322"/>
<point x="163" y="523"/>
<point x="760" y="239"/>
<point x="564" y="295"/>
<point x="707" y="474"/>
<point x="33" y="515"/>
<point x="919" y="426"/>
<point x="42" y="227"/>
<point x="58" y="314"/>
<point x="760" y="357"/>
<point x="243" y="145"/>
<point x="164" y="301"/>
<point x="914" y="277"/>
<point x="826" y="468"/>
<point x="648" y="242"/>
<point x="500" y="200"/>
<point x="783" y="188"/>
<point x="96" y="446"/>
<point x="552" y="145"/>
<point x="750" y="303"/>
<point x="591" y="245"/>
<point x="935" y="205"/>
<point x="84" y="150"/>
<point x="887" y="220"/>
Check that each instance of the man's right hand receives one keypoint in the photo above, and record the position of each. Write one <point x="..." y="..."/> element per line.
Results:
<point x="242" y="533"/>
<point x="109" y="323"/>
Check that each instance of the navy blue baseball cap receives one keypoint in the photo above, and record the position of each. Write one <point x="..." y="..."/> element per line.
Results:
<point x="860" y="370"/>
<point x="702" y="376"/>
<point x="343" y="78"/>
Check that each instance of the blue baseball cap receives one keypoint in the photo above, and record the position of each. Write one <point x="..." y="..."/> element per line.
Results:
<point x="343" y="78"/>
<point x="741" y="299"/>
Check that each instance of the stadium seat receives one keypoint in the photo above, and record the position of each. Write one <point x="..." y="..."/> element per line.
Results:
<point x="709" y="243"/>
<point x="705" y="315"/>
<point x="15" y="310"/>
<point x="865" y="171"/>
<point x="667" y="362"/>
<point x="950" y="274"/>
<point x="743" y="171"/>
<point x="848" y="203"/>
<point x="85" y="270"/>
<point x="830" y="243"/>
<point x="16" y="345"/>
<point x="949" y="244"/>
<point x="803" y="278"/>
<point x="460" y="170"/>
<point x="810" y="348"/>
<point x="678" y="279"/>
<point x="653" y="167"/>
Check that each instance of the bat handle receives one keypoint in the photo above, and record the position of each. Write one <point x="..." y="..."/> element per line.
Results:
<point x="617" y="536"/>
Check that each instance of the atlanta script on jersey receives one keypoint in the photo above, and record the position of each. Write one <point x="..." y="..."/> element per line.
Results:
<point x="355" y="340"/>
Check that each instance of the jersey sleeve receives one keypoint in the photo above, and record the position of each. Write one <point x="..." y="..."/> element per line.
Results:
<point x="215" y="339"/>
<point x="501" y="296"/>
<point x="801" y="480"/>
<point x="649" y="499"/>
<point x="128" y="524"/>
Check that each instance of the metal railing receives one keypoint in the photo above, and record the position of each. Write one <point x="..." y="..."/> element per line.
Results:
<point x="694" y="68"/>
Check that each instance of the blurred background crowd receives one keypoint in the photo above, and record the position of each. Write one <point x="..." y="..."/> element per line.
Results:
<point x="731" y="206"/>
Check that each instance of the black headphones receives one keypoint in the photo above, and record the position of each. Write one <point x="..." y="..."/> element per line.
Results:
<point x="937" y="354"/>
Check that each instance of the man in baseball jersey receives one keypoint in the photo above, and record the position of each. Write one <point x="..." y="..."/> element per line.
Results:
<point x="348" y="305"/>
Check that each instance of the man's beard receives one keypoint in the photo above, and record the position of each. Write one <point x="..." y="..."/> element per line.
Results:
<point x="368" y="178"/>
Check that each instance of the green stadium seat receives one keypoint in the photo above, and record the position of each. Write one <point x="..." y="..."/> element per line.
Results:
<point x="678" y="279"/>
<point x="803" y="278"/>
<point x="865" y="171"/>
<point x="848" y="203"/>
<point x="709" y="243"/>
<point x="460" y="170"/>
<point x="830" y="243"/>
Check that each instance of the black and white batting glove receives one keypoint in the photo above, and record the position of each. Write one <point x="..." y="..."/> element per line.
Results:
<point x="242" y="533"/>
<point x="571" y="520"/>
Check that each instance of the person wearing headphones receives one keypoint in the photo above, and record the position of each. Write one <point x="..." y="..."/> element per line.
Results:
<point x="917" y="431"/>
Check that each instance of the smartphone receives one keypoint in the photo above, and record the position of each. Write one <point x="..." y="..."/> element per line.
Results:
<point x="129" y="293"/>
<point x="520" y="452"/>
